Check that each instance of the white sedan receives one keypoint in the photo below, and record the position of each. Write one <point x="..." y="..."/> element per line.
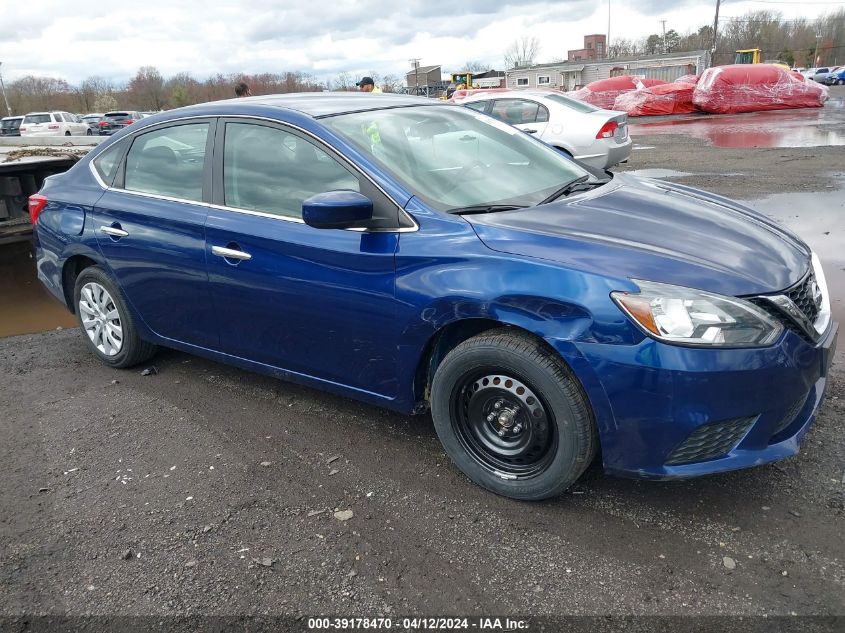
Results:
<point x="53" y="124"/>
<point x="589" y="134"/>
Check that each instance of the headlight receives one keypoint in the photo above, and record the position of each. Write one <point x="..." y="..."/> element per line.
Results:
<point x="686" y="316"/>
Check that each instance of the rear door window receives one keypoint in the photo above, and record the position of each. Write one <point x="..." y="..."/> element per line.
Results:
<point x="516" y="111"/>
<point x="37" y="118"/>
<point x="168" y="162"/>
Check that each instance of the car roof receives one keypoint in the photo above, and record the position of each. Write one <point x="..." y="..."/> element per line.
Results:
<point x="319" y="104"/>
<point x="11" y="118"/>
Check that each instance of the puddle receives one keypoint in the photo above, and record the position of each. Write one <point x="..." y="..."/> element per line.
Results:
<point x="819" y="219"/>
<point x="781" y="128"/>
<point x="26" y="307"/>
<point x="657" y="172"/>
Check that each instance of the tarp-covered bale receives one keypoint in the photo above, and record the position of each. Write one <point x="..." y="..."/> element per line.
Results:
<point x="688" y="79"/>
<point x="603" y="93"/>
<point x="674" y="98"/>
<point x="754" y="87"/>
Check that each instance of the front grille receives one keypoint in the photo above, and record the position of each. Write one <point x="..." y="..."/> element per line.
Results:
<point x="802" y="296"/>
<point x="710" y="441"/>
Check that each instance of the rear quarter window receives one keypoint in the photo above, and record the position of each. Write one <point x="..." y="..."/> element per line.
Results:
<point x="106" y="162"/>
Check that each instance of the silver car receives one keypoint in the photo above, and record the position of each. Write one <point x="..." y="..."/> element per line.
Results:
<point x="589" y="134"/>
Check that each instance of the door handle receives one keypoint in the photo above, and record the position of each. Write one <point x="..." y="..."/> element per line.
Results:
<point x="113" y="231"/>
<point x="230" y="253"/>
<point x="530" y="131"/>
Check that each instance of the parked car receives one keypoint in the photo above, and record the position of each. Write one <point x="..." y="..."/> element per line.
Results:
<point x="92" y="121"/>
<point x="53" y="124"/>
<point x="820" y="74"/>
<point x="416" y="254"/>
<point x="115" y="121"/>
<point x="808" y="72"/>
<point x="596" y="137"/>
<point x="10" y="126"/>
<point x="836" y="76"/>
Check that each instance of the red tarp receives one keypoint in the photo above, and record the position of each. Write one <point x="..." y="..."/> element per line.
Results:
<point x="463" y="93"/>
<point x="688" y="79"/>
<point x="754" y="87"/>
<point x="674" y="98"/>
<point x="603" y="93"/>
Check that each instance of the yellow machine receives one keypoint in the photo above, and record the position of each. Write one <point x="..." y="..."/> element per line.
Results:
<point x="464" y="79"/>
<point x="748" y="56"/>
<point x="755" y="56"/>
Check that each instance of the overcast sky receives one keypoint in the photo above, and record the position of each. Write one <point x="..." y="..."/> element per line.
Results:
<point x="74" y="40"/>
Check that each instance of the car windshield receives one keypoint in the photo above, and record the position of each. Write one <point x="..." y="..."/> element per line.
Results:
<point x="37" y="118"/>
<point x="453" y="157"/>
<point x="571" y="103"/>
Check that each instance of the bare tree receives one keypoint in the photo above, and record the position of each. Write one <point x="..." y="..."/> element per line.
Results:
<point x="522" y="52"/>
<point x="146" y="89"/>
<point x="475" y="67"/>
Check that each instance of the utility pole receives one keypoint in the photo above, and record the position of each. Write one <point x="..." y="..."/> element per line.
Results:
<point x="815" y="54"/>
<point x="663" y="22"/>
<point x="715" y="28"/>
<point x="5" y="98"/>
<point x="415" y="63"/>
<point x="607" y="45"/>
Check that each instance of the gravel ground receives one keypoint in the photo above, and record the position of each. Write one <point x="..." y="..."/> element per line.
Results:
<point x="206" y="490"/>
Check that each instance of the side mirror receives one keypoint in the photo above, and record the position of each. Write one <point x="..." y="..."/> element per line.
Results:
<point x="340" y="209"/>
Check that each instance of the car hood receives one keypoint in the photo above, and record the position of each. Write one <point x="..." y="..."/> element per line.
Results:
<point x="639" y="228"/>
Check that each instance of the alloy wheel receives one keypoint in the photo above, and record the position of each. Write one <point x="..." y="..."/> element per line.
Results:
<point x="100" y="318"/>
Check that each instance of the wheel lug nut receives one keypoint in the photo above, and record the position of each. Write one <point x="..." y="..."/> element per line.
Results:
<point x="491" y="417"/>
<point x="498" y="405"/>
<point x="517" y="428"/>
<point x="501" y="432"/>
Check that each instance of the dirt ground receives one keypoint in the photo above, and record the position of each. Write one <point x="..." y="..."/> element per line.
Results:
<point x="207" y="490"/>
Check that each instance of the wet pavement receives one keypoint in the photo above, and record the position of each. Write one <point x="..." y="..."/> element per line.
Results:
<point x="815" y="127"/>
<point x="26" y="306"/>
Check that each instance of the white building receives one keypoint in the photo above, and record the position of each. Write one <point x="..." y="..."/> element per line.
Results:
<point x="575" y="74"/>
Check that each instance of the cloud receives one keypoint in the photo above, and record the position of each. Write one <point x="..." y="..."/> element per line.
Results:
<point x="205" y="37"/>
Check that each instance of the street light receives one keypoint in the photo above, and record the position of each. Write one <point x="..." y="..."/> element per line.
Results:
<point x="5" y="98"/>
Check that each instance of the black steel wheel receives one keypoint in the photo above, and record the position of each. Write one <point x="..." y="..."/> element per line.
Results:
<point x="512" y="416"/>
<point x="503" y="424"/>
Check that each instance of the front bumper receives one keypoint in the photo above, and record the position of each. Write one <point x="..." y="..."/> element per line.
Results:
<point x="662" y="410"/>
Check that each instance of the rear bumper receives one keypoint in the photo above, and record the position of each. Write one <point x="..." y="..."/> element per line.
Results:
<point x="653" y="399"/>
<point x="606" y="154"/>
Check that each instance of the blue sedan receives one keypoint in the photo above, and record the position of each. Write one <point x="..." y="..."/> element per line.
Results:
<point x="417" y="255"/>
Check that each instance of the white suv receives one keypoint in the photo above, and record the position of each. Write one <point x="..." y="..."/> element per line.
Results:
<point x="53" y="124"/>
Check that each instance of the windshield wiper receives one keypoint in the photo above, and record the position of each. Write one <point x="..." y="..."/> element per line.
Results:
<point x="486" y="208"/>
<point x="574" y="185"/>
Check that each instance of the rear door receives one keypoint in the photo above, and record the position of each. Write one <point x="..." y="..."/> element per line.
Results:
<point x="150" y="227"/>
<point x="318" y="302"/>
<point x="529" y="116"/>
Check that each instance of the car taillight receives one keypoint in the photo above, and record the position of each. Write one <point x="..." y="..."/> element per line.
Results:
<point x="37" y="202"/>
<point x="22" y="129"/>
<point x="608" y="130"/>
<point x="129" y="121"/>
<point x="103" y="123"/>
<point x="53" y="126"/>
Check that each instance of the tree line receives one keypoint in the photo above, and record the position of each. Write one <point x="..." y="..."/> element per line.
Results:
<point x="798" y="42"/>
<point x="149" y="90"/>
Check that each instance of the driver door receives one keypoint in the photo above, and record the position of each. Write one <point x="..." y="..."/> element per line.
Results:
<point x="316" y="302"/>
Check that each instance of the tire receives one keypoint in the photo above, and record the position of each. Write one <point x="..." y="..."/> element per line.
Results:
<point x="118" y="344"/>
<point x="88" y="132"/>
<point x="67" y="133"/>
<point x="541" y="436"/>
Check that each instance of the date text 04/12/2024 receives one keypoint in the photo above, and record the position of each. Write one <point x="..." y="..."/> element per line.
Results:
<point x="419" y="624"/>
